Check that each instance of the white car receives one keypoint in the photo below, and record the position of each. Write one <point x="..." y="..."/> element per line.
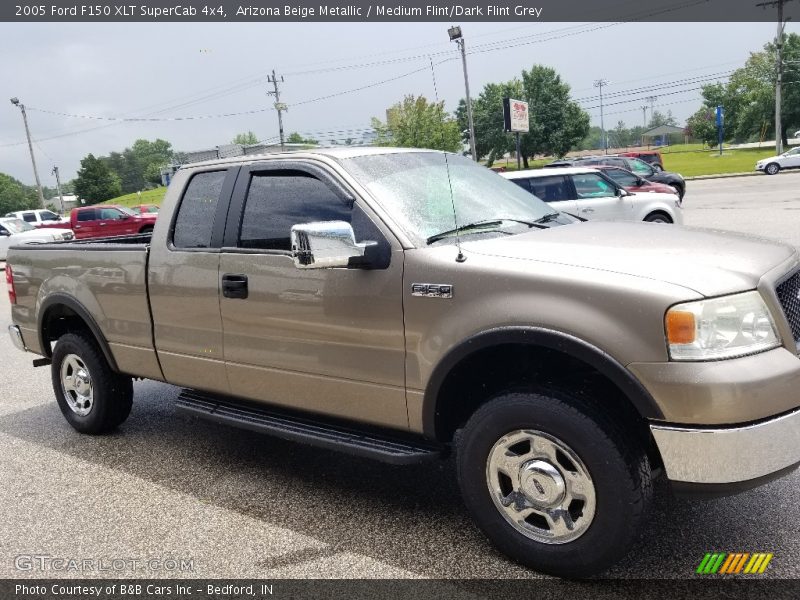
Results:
<point x="16" y="231"/>
<point x="592" y="195"/>
<point x="38" y="217"/>
<point x="772" y="165"/>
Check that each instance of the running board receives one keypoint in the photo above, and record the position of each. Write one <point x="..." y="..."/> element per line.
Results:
<point x="369" y="444"/>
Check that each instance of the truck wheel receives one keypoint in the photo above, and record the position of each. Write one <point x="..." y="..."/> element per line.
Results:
<point x="553" y="482"/>
<point x="92" y="397"/>
<point x="146" y="229"/>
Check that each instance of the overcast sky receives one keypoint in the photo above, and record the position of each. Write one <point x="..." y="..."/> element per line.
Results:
<point x="170" y="70"/>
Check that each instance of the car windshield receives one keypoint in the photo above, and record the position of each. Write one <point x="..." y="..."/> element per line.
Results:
<point x="792" y="152"/>
<point x="415" y="189"/>
<point x="17" y="225"/>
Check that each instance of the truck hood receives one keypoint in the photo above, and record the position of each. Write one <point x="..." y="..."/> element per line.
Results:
<point x="709" y="262"/>
<point x="47" y="234"/>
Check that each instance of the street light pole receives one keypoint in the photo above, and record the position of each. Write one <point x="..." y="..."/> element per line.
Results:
<point x="599" y="84"/>
<point x="457" y="37"/>
<point x="16" y="102"/>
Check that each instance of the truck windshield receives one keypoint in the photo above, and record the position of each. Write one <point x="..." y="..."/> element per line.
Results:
<point x="17" y="225"/>
<point x="414" y="188"/>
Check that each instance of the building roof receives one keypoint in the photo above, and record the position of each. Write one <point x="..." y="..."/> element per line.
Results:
<point x="662" y="130"/>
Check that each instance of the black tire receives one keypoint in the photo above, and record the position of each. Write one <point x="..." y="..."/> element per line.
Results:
<point x="618" y="466"/>
<point x="111" y="393"/>
<point x="658" y="217"/>
<point x="772" y="169"/>
<point x="146" y="229"/>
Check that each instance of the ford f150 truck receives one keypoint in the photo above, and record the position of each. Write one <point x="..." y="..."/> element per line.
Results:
<point x="106" y="220"/>
<point x="398" y="304"/>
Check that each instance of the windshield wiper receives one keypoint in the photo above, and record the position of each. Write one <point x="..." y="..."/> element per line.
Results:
<point x="488" y="223"/>
<point x="548" y="217"/>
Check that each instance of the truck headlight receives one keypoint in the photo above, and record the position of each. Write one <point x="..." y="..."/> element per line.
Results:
<point x="718" y="328"/>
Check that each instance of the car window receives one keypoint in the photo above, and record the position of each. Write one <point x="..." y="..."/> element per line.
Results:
<point x="136" y="210"/>
<point x="110" y="213"/>
<point x="640" y="167"/>
<point x="150" y="209"/>
<point x="86" y="215"/>
<point x="523" y="183"/>
<point x="277" y="200"/>
<point x="622" y="177"/>
<point x="591" y="185"/>
<point x="17" y="226"/>
<point x="552" y="188"/>
<point x="195" y="220"/>
<point x="46" y="215"/>
<point x="29" y="217"/>
<point x="792" y="152"/>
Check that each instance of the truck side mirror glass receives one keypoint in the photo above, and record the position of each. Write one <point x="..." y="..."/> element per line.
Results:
<point x="325" y="245"/>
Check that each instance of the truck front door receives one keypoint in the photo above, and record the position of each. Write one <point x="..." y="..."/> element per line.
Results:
<point x="326" y="340"/>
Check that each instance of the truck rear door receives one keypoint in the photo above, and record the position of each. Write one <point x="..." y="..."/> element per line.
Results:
<point x="325" y="340"/>
<point x="183" y="279"/>
<point x="85" y="223"/>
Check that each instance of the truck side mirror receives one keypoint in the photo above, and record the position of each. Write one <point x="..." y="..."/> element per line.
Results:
<point x="325" y="245"/>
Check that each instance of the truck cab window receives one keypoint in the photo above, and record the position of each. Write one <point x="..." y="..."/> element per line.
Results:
<point x="87" y="215"/>
<point x="195" y="219"/>
<point x="277" y="200"/>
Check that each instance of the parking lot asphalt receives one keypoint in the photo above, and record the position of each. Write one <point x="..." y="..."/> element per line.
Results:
<point x="231" y="503"/>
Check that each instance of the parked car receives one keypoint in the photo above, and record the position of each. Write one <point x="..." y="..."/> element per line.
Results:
<point x="634" y="165"/>
<point x="651" y="157"/>
<point x="105" y="220"/>
<point x="15" y="231"/>
<point x="325" y="297"/>
<point x="592" y="195"/>
<point x="40" y="217"/>
<point x="144" y="209"/>
<point x="634" y="183"/>
<point x="774" y="164"/>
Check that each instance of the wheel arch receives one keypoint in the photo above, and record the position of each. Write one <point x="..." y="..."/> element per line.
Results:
<point x="504" y="342"/>
<point x="60" y="313"/>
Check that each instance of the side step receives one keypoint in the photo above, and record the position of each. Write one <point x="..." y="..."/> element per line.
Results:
<point x="369" y="444"/>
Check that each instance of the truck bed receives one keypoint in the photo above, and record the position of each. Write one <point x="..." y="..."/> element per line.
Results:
<point x="107" y="277"/>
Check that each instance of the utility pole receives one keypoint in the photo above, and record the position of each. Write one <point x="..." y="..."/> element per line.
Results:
<point x="644" y="122"/>
<point x="599" y="84"/>
<point x="16" y="102"/>
<point x="279" y="106"/>
<point x="58" y="188"/>
<point x="458" y="37"/>
<point x="779" y="71"/>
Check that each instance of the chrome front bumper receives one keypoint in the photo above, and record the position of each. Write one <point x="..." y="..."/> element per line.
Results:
<point x="16" y="337"/>
<point x="729" y="455"/>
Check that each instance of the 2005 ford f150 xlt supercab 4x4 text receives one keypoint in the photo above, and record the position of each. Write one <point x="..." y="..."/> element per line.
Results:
<point x="328" y="297"/>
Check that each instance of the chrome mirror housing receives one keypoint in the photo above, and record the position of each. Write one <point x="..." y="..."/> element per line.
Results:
<point x="325" y="245"/>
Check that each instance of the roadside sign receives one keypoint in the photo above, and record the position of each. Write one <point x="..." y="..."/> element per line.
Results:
<point x="515" y="115"/>
<point x="720" y="115"/>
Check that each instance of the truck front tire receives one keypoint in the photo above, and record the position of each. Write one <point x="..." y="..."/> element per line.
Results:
<point x="92" y="397"/>
<point x="553" y="482"/>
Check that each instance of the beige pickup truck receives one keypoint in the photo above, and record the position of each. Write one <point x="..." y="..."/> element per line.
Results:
<point x="399" y="303"/>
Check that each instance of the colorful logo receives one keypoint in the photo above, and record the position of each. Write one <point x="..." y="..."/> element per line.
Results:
<point x="734" y="563"/>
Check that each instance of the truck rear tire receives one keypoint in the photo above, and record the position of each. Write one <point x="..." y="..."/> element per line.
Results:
<point x="92" y="397"/>
<point x="553" y="482"/>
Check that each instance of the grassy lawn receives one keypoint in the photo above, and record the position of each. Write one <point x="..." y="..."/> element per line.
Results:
<point x="688" y="160"/>
<point x="148" y="197"/>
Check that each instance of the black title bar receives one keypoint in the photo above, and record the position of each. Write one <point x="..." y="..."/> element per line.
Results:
<point x="396" y="11"/>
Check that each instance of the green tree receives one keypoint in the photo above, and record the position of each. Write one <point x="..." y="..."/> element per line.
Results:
<point x="296" y="138"/>
<point x="557" y="124"/>
<point x="139" y="167"/>
<point x="702" y="126"/>
<point x="245" y="139"/>
<point x="96" y="182"/>
<point x="416" y="123"/>
<point x="15" y="196"/>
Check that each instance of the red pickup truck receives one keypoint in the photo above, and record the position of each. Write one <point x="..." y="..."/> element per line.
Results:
<point x="108" y="220"/>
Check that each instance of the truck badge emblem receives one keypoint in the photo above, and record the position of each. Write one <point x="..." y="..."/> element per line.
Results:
<point x="432" y="290"/>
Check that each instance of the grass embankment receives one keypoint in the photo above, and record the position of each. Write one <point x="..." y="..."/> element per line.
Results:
<point x="148" y="197"/>
<point x="689" y="160"/>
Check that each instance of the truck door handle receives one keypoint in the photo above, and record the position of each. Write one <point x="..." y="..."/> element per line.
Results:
<point x="234" y="285"/>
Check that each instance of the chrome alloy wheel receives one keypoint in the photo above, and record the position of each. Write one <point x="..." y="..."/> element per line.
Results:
<point x="540" y="486"/>
<point x="76" y="383"/>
